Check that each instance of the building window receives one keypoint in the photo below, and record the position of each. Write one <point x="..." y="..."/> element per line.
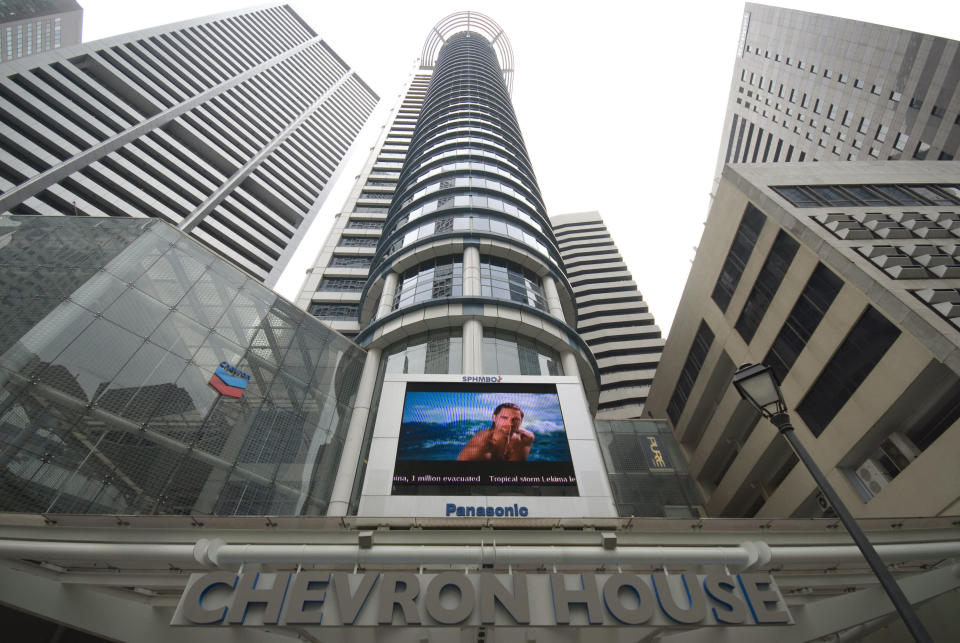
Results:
<point x="335" y="312"/>
<point x="502" y="279"/>
<point x="881" y="134"/>
<point x="938" y="111"/>
<point x="358" y="242"/>
<point x="768" y="282"/>
<point x="896" y="97"/>
<point x="814" y="301"/>
<point x="832" y="112"/>
<point x="337" y="284"/>
<point x="864" y="124"/>
<point x="56" y="32"/>
<point x="365" y="224"/>
<point x="438" y="352"/>
<point x="863" y="348"/>
<point x="434" y="279"/>
<point x="506" y="353"/>
<point x="921" y="152"/>
<point x="875" y="90"/>
<point x="351" y="261"/>
<point x="916" y="103"/>
<point x="846" y="118"/>
<point x="842" y="78"/>
<point x="738" y="255"/>
<point x="858" y="83"/>
<point x="691" y="369"/>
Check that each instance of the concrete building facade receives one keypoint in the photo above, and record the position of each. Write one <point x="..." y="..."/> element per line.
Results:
<point x="843" y="277"/>
<point x="229" y="127"/>
<point x="611" y="314"/>
<point x="808" y="87"/>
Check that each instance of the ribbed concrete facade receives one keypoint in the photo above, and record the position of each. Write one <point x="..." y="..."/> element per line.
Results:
<point x="808" y="87"/>
<point x="229" y="127"/>
<point x="333" y="286"/>
<point x="854" y="302"/>
<point x="611" y="314"/>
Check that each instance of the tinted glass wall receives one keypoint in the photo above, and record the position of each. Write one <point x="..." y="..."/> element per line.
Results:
<point x="112" y="330"/>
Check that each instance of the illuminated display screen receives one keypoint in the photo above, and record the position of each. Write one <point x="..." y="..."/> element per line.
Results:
<point x="483" y="439"/>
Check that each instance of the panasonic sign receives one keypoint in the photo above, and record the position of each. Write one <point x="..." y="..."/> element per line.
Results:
<point x="323" y="598"/>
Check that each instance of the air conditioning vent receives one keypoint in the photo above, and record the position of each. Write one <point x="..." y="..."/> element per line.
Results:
<point x="873" y="476"/>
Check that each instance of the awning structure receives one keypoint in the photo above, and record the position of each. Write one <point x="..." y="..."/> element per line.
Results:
<point x="121" y="577"/>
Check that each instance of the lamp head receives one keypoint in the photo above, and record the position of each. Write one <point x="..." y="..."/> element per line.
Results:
<point x="757" y="384"/>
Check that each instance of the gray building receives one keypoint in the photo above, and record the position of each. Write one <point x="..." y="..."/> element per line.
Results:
<point x="31" y="27"/>
<point x="230" y="128"/>
<point x="808" y="87"/>
<point x="612" y="316"/>
<point x="844" y="278"/>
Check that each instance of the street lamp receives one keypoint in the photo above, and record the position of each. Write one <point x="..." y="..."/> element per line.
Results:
<point x="757" y="385"/>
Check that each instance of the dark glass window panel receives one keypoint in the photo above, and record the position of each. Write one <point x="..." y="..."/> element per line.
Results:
<point x="812" y="305"/>
<point x="865" y="195"/>
<point x="691" y="368"/>
<point x="831" y="195"/>
<point x="768" y="281"/>
<point x="737" y="257"/>
<point x="865" y="345"/>
<point x="335" y="312"/>
<point x="341" y="284"/>
<point x="898" y="195"/>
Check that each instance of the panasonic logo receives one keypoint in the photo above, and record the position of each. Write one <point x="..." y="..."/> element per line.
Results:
<point x="488" y="512"/>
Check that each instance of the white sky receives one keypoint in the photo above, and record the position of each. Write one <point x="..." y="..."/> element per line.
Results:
<point x="621" y="103"/>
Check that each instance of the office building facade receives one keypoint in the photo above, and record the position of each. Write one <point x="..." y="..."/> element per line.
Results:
<point x="611" y="314"/>
<point x="31" y="27"/>
<point x="843" y="278"/>
<point x="808" y="87"/>
<point x="230" y="128"/>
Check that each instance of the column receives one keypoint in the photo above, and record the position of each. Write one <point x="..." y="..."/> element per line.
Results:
<point x="552" y="296"/>
<point x="472" y="328"/>
<point x="386" y="297"/>
<point x="350" y="457"/>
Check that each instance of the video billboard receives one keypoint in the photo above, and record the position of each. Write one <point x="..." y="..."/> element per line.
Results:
<point x="483" y="439"/>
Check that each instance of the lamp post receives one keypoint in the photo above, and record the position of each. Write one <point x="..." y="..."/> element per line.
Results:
<point x="757" y="385"/>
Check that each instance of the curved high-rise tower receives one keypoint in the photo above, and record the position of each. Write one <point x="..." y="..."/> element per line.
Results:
<point x="466" y="278"/>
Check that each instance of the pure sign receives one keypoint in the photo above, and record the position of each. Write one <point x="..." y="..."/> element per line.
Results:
<point x="455" y="598"/>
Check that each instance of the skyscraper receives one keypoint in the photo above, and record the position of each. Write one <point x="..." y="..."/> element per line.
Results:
<point x="809" y="87"/>
<point x="861" y="261"/>
<point x="31" y="27"/>
<point x="474" y="496"/>
<point x="229" y="127"/>
<point x="611" y="314"/>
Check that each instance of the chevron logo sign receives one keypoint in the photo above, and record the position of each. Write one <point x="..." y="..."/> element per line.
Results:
<point x="229" y="381"/>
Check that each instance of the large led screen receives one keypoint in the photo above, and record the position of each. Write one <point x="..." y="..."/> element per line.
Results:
<point x="483" y="439"/>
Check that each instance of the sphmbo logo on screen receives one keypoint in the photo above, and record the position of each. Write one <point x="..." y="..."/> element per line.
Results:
<point x="229" y="381"/>
<point x="483" y="438"/>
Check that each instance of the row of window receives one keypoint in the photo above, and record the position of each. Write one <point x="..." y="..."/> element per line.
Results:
<point x="473" y="201"/>
<point x="475" y="182"/>
<point x="819" y="196"/>
<point x="443" y="277"/>
<point x="335" y="311"/>
<point x="466" y="223"/>
<point x="441" y="352"/>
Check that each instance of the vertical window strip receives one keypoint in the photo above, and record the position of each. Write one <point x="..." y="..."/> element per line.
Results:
<point x="768" y="282"/>
<point x="811" y="307"/>
<point x="737" y="256"/>
<point x="862" y="349"/>
<point x="691" y="368"/>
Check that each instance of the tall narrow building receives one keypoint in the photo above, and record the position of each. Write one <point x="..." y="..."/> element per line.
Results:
<point x="229" y="127"/>
<point x="612" y="316"/>
<point x="809" y="87"/>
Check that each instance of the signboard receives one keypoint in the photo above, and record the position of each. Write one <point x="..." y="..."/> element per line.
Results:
<point x="482" y="438"/>
<point x="324" y="598"/>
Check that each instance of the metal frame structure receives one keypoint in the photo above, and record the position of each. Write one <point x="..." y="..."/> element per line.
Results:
<point x="478" y="23"/>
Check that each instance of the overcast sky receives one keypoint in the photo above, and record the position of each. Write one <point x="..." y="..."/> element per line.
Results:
<point x="621" y="103"/>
